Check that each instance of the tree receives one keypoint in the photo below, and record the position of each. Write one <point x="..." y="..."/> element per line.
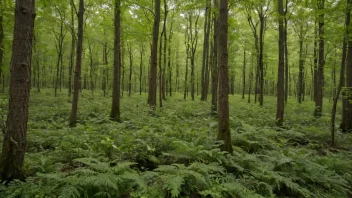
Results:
<point x="205" y="60"/>
<point x="281" y="68"/>
<point x="77" y="82"/>
<point x="214" y="54"/>
<point x="115" y="107"/>
<point x="154" y="60"/>
<point x="1" y="40"/>
<point x="342" y="74"/>
<point x="321" y="62"/>
<point x="224" y="118"/>
<point x="346" y="124"/>
<point x="15" y="139"/>
<point x="261" y="10"/>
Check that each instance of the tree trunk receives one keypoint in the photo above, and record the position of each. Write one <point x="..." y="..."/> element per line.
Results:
<point x="250" y="80"/>
<point x="244" y="74"/>
<point x="346" y="124"/>
<point x="301" y="67"/>
<point x="163" y="81"/>
<point x="77" y="83"/>
<point x="194" y="41"/>
<point x="342" y="74"/>
<point x="130" y="74"/>
<point x="141" y="70"/>
<point x="281" y="68"/>
<point x="154" y="61"/>
<point x="15" y="138"/>
<point x="215" y="54"/>
<point x="1" y="46"/>
<point x="205" y="59"/>
<point x="286" y="53"/>
<point x="321" y="62"/>
<point x="224" y="122"/>
<point x="187" y="39"/>
<point x="169" y="61"/>
<point x="72" y="54"/>
<point x="160" y="69"/>
<point x="115" y="107"/>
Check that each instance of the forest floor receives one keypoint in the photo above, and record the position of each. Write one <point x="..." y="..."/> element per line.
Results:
<point x="175" y="154"/>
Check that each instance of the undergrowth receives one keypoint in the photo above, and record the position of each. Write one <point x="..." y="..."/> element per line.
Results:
<point x="175" y="154"/>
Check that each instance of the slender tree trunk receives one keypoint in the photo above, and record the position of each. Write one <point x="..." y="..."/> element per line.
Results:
<point x="281" y="68"/>
<point x="115" y="107"/>
<point x="76" y="86"/>
<point x="215" y="54"/>
<point x="346" y="124"/>
<point x="161" y="69"/>
<point x="72" y="54"/>
<point x="244" y="74"/>
<point x="169" y="61"/>
<point x="141" y="70"/>
<point x="91" y="71"/>
<point x="342" y="73"/>
<point x="130" y="75"/>
<point x="250" y="80"/>
<point x="224" y="122"/>
<point x="187" y="43"/>
<point x="194" y="41"/>
<point x="163" y="81"/>
<point x="205" y="60"/>
<point x="301" y="66"/>
<point x="154" y="61"/>
<point x="321" y="62"/>
<point x="15" y="137"/>
<point x="261" y="60"/>
<point x="286" y="53"/>
<point x="1" y="44"/>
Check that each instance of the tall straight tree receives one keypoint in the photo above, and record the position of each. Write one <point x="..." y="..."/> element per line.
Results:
<point x="153" y="59"/>
<point x="1" y="40"/>
<point x="342" y="74"/>
<point x="224" y="117"/>
<point x="321" y="62"/>
<point x="346" y="124"/>
<point x="205" y="60"/>
<point x="77" y="82"/>
<point x="15" y="139"/>
<point x="281" y="68"/>
<point x="115" y="107"/>
<point x="214" y="69"/>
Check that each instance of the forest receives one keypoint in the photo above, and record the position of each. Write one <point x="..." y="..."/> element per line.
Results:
<point x="176" y="98"/>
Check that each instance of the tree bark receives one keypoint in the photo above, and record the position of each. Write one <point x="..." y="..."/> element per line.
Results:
<point x="72" y="53"/>
<point x="154" y="61"/>
<point x="321" y="62"/>
<point x="342" y="74"/>
<point x="301" y="67"/>
<point x="141" y="70"/>
<point x="130" y="56"/>
<point x="115" y="107"/>
<point x="77" y="83"/>
<point x="215" y="54"/>
<point x="281" y="68"/>
<point x="15" y="138"/>
<point x="286" y="53"/>
<point x="205" y="60"/>
<point x="244" y="74"/>
<point x="224" y="119"/>
<point x="1" y="43"/>
<point x="346" y="124"/>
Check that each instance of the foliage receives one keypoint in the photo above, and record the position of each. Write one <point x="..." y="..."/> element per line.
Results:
<point x="176" y="154"/>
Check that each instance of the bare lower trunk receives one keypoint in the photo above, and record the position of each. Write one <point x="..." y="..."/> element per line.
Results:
<point x="224" y="119"/>
<point x="15" y="138"/>
<point x="76" y="86"/>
